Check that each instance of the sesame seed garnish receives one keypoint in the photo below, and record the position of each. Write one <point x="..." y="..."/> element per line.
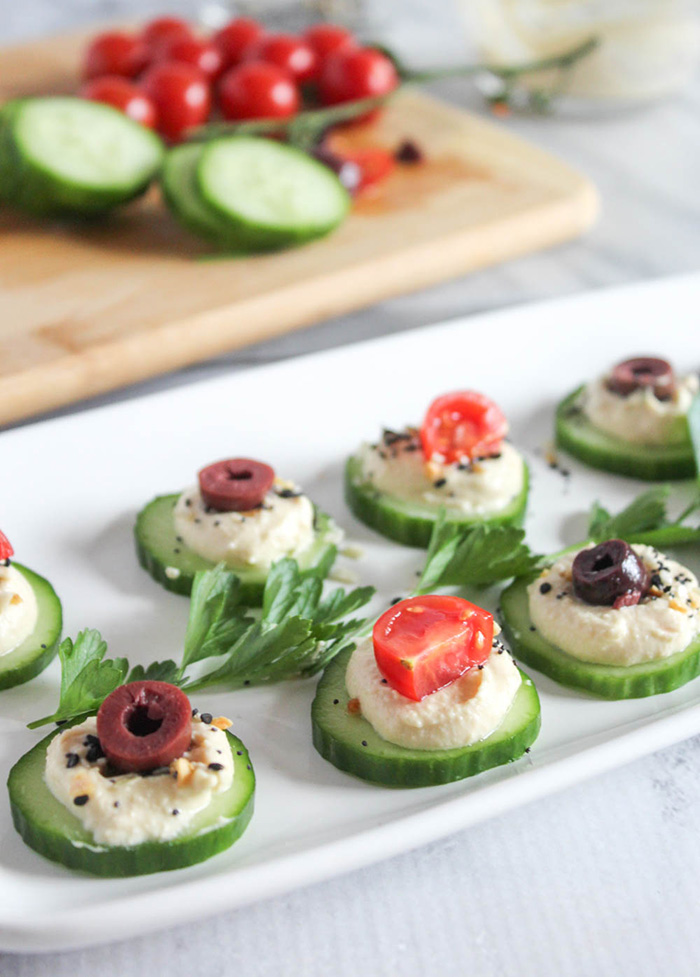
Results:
<point x="44" y="647"/>
<point x="194" y="712"/>
<point x="545" y="588"/>
<point x="81" y="799"/>
<point x="440" y="483"/>
<point x="239" y="752"/>
<point x="336" y="701"/>
<point x="216" y="766"/>
<point x="364" y="743"/>
<point x="116" y="804"/>
<point x="72" y="760"/>
<point x="206" y="718"/>
<point x="175" y="811"/>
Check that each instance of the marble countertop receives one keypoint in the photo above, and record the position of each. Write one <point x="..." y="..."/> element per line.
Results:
<point x="601" y="879"/>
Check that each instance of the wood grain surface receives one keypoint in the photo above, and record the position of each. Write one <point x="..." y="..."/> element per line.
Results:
<point x="92" y="307"/>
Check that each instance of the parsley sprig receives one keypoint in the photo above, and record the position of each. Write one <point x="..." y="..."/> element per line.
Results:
<point x="646" y="520"/>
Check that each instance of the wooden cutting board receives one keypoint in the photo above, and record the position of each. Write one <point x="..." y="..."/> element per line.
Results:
<point x="85" y="309"/>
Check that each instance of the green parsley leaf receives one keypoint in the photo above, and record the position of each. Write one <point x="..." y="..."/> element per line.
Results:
<point x="166" y="671"/>
<point x="477" y="557"/>
<point x="86" y="679"/>
<point x="216" y="618"/>
<point x="645" y="520"/>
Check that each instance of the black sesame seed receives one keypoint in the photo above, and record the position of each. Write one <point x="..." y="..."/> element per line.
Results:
<point x="239" y="752"/>
<point x="206" y="718"/>
<point x="116" y="804"/>
<point x="384" y="682"/>
<point x="194" y="712"/>
<point x="217" y="522"/>
<point x="188" y="501"/>
<point x="364" y="743"/>
<point x="336" y="701"/>
<point x="81" y="799"/>
<point x="249" y="766"/>
<point x="175" y="811"/>
<point x="440" y="483"/>
<point x="479" y="667"/>
<point x="216" y="766"/>
<point x="545" y="588"/>
<point x="527" y="749"/>
<point x="176" y="550"/>
<point x="72" y="760"/>
<point x="246" y="681"/>
<point x="179" y="539"/>
<point x="532" y="627"/>
<point x="44" y="647"/>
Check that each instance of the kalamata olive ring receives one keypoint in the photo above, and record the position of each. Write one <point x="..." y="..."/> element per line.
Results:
<point x="144" y="725"/>
<point x="235" y="485"/>
<point x="641" y="372"/>
<point x="610" y="574"/>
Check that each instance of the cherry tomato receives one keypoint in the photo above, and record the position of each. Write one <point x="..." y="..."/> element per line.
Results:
<point x="326" y="39"/>
<point x="463" y="425"/>
<point x="181" y="95"/>
<point x="286" y="51"/>
<point x="123" y="95"/>
<point x="236" y="37"/>
<point x="204" y="55"/>
<point x="375" y="165"/>
<point x="256" y="90"/>
<point x="352" y="73"/>
<point x="423" y="643"/>
<point x="161" y="30"/>
<point x="6" y="550"/>
<point x="114" y="53"/>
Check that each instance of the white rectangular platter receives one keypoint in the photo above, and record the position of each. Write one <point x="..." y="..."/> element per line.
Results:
<point x="68" y="497"/>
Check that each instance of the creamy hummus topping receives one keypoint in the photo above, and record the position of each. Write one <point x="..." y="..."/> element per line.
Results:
<point x="663" y="623"/>
<point x="462" y="713"/>
<point x="18" y="608"/>
<point x="282" y="526"/>
<point x="480" y="487"/>
<point x="130" y="808"/>
<point x="640" y="417"/>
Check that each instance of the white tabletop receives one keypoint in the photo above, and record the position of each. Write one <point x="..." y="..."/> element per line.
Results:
<point x="601" y="879"/>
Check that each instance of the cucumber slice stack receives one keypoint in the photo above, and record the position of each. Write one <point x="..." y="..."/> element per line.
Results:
<point x="40" y="647"/>
<point x="64" y="155"/>
<point x="412" y="523"/>
<point x="52" y="830"/>
<point x="174" y="565"/>
<point x="605" y="681"/>
<point x="350" y="743"/>
<point x="576" y="434"/>
<point x="250" y="194"/>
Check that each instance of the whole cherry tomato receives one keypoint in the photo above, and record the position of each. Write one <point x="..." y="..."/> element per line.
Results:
<point x="236" y="37"/>
<point x="286" y="51"/>
<point x="114" y="53"/>
<point x="463" y="425"/>
<point x="181" y="95"/>
<point x="326" y="39"/>
<point x="204" y="55"/>
<point x="123" y="95"/>
<point x="161" y="30"/>
<point x="352" y="73"/>
<point x="422" y="644"/>
<point x="256" y="90"/>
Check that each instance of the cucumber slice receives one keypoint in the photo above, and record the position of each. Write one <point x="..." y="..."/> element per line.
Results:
<point x="576" y="434"/>
<point x="64" y="155"/>
<point x="350" y="743"/>
<point x="174" y="565"/>
<point x="40" y="647"/>
<point x="52" y="830"/>
<point x="181" y="193"/>
<point x="605" y="681"/>
<point x="412" y="523"/>
<point x="270" y="195"/>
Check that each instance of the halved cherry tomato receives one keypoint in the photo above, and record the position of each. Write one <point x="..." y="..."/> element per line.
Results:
<point x="352" y="73"/>
<point x="375" y="165"/>
<point x="461" y="425"/>
<point x="257" y="91"/>
<point x="205" y="55"/>
<point x="326" y="39"/>
<point x="423" y="644"/>
<point x="181" y="95"/>
<point x="163" y="29"/>
<point x="114" y="53"/>
<point x="6" y="550"/>
<point x="236" y="37"/>
<point x="123" y="95"/>
<point x="286" y="51"/>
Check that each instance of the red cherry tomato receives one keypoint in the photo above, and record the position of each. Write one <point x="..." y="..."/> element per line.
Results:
<point x="258" y="91"/>
<point x="352" y="73"/>
<point x="423" y="643"/>
<point x="162" y="30"/>
<point x="114" y="53"/>
<point x="236" y="37"/>
<point x="6" y="550"/>
<point x="326" y="39"/>
<point x="375" y="165"/>
<point x="286" y="51"/>
<point x="123" y="95"/>
<point x="181" y="95"/>
<point x="190" y="50"/>
<point x="463" y="425"/>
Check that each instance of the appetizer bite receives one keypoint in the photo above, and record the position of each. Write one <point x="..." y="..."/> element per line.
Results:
<point x="633" y="420"/>
<point x="431" y="696"/>
<point x="147" y="785"/>
<point x="239" y="514"/>
<point x="618" y="620"/>
<point x="459" y="461"/>
<point x="31" y="619"/>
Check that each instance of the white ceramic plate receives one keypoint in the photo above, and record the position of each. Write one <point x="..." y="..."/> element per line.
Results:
<point x="69" y="493"/>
